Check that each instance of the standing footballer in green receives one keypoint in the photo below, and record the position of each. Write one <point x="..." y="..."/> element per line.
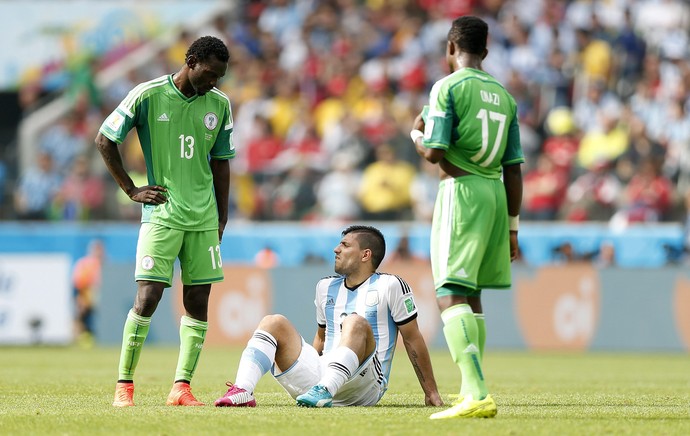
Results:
<point x="184" y="125"/>
<point x="471" y="131"/>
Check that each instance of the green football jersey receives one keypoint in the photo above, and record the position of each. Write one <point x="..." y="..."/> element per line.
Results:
<point x="474" y="119"/>
<point x="178" y="136"/>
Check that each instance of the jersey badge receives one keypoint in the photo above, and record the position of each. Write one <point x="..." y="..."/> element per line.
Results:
<point x="409" y="305"/>
<point x="372" y="298"/>
<point x="147" y="263"/>
<point x="210" y="120"/>
<point x="164" y="117"/>
<point x="114" y="121"/>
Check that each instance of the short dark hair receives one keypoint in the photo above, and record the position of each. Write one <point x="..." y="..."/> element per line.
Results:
<point x="470" y="34"/>
<point x="370" y="238"/>
<point x="206" y="47"/>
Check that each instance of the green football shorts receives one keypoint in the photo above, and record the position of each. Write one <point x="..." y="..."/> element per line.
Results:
<point x="198" y="251"/>
<point x="470" y="241"/>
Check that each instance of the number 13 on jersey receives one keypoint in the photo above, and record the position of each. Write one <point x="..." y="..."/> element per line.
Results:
<point x="186" y="147"/>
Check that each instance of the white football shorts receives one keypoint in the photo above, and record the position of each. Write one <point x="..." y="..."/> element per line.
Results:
<point x="364" y="388"/>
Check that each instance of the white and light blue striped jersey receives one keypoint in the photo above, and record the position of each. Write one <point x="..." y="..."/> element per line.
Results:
<point x="384" y="300"/>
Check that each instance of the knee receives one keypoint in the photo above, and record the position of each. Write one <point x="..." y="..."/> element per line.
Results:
<point x="148" y="296"/>
<point x="355" y="323"/>
<point x="195" y="302"/>
<point x="273" y="323"/>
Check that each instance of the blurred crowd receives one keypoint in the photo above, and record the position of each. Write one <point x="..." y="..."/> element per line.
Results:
<point x="324" y="94"/>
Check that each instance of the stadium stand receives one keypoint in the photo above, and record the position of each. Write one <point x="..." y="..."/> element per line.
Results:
<point x="319" y="88"/>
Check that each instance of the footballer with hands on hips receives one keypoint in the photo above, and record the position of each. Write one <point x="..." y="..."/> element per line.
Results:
<point x="184" y="124"/>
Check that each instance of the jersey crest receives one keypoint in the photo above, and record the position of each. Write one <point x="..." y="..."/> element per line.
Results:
<point x="210" y="121"/>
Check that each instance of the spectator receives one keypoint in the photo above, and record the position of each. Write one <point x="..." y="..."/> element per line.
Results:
<point x="595" y="55"/>
<point x="293" y="198"/>
<point x="629" y="52"/>
<point x="641" y="147"/>
<point x="384" y="192"/>
<point x="266" y="258"/>
<point x="590" y="110"/>
<point x="262" y="149"/>
<point x="423" y="191"/>
<point x="647" y="198"/>
<point x="86" y="280"/>
<point x="544" y="190"/>
<point x="64" y="142"/>
<point x="37" y="189"/>
<point x="3" y="186"/>
<point x="593" y="195"/>
<point x="81" y="194"/>
<point x="336" y="193"/>
<point x="403" y="253"/>
<point x="606" y="142"/>
<point x="562" y="142"/>
<point x="605" y="257"/>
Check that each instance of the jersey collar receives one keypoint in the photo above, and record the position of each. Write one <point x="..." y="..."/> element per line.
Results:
<point x="179" y="93"/>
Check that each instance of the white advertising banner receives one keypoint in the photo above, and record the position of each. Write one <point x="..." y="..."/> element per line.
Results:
<point x="35" y="299"/>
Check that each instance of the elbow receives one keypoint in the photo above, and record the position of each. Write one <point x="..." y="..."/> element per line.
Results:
<point x="434" y="155"/>
<point x="432" y="158"/>
<point x="102" y="143"/>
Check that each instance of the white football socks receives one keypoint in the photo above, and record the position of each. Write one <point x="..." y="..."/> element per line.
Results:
<point x="257" y="359"/>
<point x="342" y="364"/>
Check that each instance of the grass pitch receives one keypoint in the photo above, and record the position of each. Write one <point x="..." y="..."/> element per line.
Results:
<point x="69" y="390"/>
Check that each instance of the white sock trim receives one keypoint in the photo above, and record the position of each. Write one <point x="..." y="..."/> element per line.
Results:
<point x="138" y="319"/>
<point x="455" y="311"/>
<point x="191" y="322"/>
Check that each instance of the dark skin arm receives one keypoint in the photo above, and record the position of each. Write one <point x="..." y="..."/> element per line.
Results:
<point x="433" y="155"/>
<point x="149" y="194"/>
<point x="221" y="187"/>
<point x="512" y="180"/>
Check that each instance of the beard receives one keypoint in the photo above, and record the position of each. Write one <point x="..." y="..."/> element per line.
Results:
<point x="341" y="269"/>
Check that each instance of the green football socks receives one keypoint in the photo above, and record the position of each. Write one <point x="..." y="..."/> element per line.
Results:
<point x="192" y="335"/>
<point x="133" y="337"/>
<point x="481" y="330"/>
<point x="462" y="335"/>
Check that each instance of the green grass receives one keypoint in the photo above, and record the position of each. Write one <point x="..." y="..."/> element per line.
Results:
<point x="69" y="391"/>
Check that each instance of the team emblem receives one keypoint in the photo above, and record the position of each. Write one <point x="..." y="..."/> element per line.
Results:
<point x="210" y="120"/>
<point x="115" y="121"/>
<point x="409" y="305"/>
<point x="372" y="298"/>
<point x="147" y="262"/>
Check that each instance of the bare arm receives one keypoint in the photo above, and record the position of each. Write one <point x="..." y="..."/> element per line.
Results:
<point x="512" y="180"/>
<point x="319" y="340"/>
<point x="418" y="354"/>
<point x="151" y="194"/>
<point x="433" y="155"/>
<point x="221" y="187"/>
